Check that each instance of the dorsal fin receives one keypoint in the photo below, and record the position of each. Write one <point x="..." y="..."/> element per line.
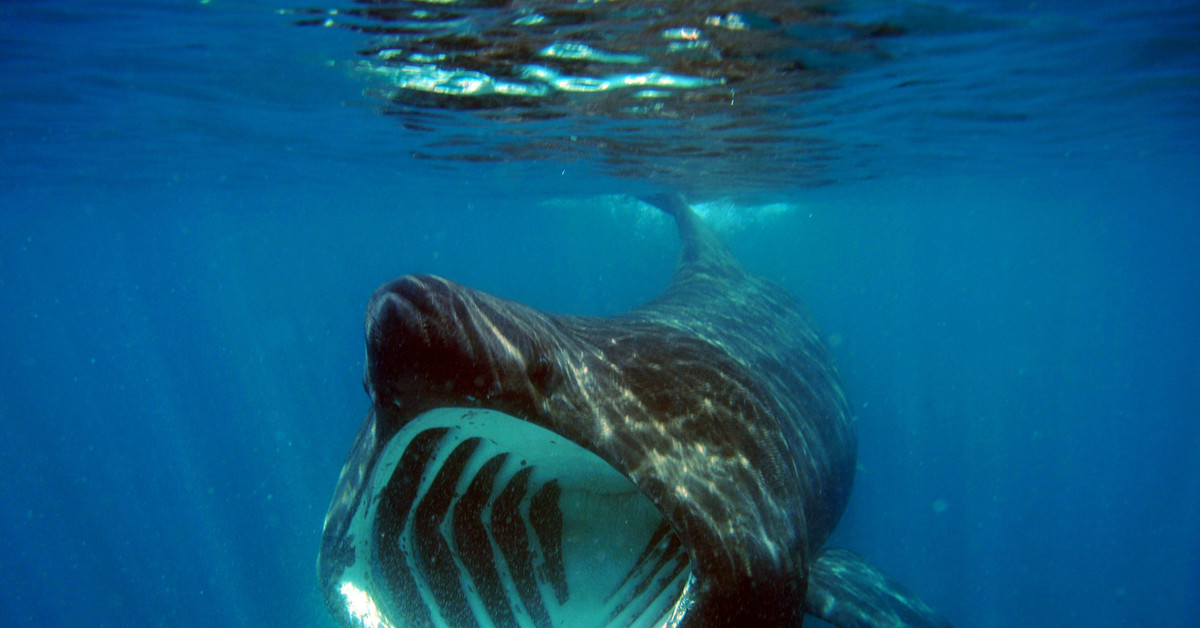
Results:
<point x="702" y="253"/>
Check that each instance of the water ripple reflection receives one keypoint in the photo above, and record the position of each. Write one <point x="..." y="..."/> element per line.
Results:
<point x="679" y="92"/>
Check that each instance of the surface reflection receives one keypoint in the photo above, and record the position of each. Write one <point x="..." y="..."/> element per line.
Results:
<point x="700" y="90"/>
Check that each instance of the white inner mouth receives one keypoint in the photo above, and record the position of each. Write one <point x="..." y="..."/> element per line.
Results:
<point x="476" y="518"/>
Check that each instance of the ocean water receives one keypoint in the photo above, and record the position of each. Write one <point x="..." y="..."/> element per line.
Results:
<point x="993" y="214"/>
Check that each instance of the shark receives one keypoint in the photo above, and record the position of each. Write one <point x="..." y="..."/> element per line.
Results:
<point x="682" y="464"/>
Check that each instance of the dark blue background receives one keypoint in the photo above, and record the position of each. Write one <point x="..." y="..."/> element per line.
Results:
<point x="196" y="202"/>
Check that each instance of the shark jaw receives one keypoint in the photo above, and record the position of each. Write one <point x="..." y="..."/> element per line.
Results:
<point x="473" y="517"/>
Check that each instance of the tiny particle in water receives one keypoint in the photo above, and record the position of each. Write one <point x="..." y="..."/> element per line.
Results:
<point x="940" y="506"/>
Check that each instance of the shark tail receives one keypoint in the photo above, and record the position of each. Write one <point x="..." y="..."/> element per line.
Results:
<point x="848" y="592"/>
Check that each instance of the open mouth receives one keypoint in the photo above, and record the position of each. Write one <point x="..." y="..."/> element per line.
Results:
<point x="476" y="518"/>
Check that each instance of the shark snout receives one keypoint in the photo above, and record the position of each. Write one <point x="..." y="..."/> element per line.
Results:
<point x="431" y="339"/>
<point x="420" y="345"/>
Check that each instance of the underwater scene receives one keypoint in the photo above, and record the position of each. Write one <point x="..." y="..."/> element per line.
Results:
<point x="383" y="313"/>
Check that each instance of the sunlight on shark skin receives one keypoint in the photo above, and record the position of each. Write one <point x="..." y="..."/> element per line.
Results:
<point x="361" y="607"/>
<point x="678" y="465"/>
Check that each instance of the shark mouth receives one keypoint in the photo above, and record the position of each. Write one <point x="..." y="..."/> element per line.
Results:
<point x="476" y="518"/>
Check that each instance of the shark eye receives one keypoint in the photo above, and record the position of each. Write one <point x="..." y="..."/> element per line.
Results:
<point x="543" y="374"/>
<point x="476" y="518"/>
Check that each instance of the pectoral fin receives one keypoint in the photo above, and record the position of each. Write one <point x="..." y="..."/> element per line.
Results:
<point x="847" y="591"/>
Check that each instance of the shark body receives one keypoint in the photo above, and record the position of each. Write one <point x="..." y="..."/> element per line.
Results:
<point x="682" y="464"/>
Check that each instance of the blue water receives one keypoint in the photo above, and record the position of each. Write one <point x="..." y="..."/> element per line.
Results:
<point x="196" y="200"/>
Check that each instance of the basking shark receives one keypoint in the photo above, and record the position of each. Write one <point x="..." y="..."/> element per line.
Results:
<point x="680" y="465"/>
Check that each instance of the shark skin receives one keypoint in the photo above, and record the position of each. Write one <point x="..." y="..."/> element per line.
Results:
<point x="716" y="402"/>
